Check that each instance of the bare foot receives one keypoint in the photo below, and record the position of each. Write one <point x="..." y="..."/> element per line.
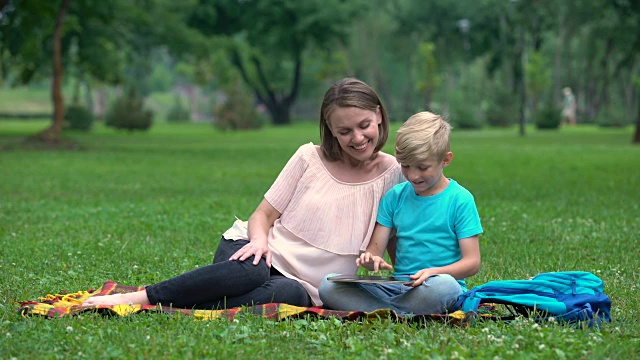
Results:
<point x="138" y="297"/>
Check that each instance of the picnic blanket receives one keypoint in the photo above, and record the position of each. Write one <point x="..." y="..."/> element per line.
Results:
<point x="69" y="304"/>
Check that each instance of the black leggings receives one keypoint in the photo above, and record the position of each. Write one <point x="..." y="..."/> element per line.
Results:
<point x="226" y="284"/>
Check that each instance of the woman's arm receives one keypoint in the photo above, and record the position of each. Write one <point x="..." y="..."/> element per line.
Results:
<point x="260" y="222"/>
<point x="468" y="265"/>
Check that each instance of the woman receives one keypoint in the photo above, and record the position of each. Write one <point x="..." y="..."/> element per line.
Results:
<point x="315" y="219"/>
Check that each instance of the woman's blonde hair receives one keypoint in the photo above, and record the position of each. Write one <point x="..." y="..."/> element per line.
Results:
<point x="349" y="92"/>
<point x="424" y="136"/>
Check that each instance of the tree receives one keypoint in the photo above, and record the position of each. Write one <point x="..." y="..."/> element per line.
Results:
<point x="95" y="38"/>
<point x="629" y="12"/>
<point x="37" y="34"/>
<point x="429" y="78"/>
<point x="27" y="40"/>
<point x="52" y="133"/>
<point x="266" y="41"/>
<point x="521" y="25"/>
<point x="385" y="59"/>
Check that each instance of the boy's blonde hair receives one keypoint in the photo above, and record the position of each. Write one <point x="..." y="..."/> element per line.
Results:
<point x="424" y="136"/>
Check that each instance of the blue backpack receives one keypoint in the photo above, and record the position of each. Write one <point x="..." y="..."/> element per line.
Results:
<point x="569" y="296"/>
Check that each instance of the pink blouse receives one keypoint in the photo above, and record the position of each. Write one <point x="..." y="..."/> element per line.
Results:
<point x="325" y="222"/>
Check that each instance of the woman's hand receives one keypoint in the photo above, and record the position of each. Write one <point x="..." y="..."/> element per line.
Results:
<point x="254" y="248"/>
<point x="372" y="262"/>
<point x="260" y="222"/>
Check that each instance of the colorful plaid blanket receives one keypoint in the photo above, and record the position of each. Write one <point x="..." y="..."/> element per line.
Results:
<point x="69" y="304"/>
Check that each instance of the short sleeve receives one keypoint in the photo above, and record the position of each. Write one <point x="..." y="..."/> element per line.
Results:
<point x="467" y="220"/>
<point x="387" y="208"/>
<point x="284" y="187"/>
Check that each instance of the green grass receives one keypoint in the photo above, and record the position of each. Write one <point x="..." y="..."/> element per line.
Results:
<point x="37" y="100"/>
<point x="138" y="208"/>
<point x="25" y="99"/>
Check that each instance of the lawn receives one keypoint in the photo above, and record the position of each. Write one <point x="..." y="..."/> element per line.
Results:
<point x="138" y="208"/>
<point x="36" y="99"/>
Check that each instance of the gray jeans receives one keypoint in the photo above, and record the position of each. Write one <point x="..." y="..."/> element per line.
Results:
<point x="437" y="295"/>
<point x="226" y="284"/>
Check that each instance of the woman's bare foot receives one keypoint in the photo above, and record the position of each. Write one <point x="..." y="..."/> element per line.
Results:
<point x="138" y="297"/>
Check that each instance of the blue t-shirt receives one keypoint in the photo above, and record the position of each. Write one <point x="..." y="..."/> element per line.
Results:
<point x="429" y="227"/>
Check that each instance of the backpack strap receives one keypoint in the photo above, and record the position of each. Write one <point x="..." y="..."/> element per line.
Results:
<point x="468" y="301"/>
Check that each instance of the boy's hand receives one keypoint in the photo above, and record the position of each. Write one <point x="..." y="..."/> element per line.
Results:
<point x="419" y="277"/>
<point x="372" y="262"/>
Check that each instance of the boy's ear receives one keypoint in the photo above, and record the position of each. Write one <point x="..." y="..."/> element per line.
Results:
<point x="447" y="159"/>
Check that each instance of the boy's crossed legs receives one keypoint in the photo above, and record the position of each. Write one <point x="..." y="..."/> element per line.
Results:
<point x="437" y="295"/>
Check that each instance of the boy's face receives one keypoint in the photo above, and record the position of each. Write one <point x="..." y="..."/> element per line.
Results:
<point x="426" y="176"/>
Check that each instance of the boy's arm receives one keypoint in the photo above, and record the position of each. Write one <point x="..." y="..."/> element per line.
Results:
<point x="379" y="240"/>
<point x="468" y="265"/>
<point x="392" y="246"/>
<point x="372" y="257"/>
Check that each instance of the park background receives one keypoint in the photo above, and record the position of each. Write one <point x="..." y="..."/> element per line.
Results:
<point x="132" y="132"/>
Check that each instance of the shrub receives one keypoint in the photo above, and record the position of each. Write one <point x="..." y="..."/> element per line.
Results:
<point x="237" y="111"/>
<point x="612" y="116"/>
<point x="548" y="117"/>
<point x="178" y="112"/>
<point x="501" y="110"/>
<point x="128" y="112"/>
<point x="464" y="115"/>
<point x="78" y="117"/>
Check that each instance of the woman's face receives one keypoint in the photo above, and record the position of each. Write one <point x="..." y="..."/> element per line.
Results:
<point x="356" y="130"/>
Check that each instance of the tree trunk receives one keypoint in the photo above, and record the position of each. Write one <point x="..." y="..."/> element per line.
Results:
<point x="383" y="87"/>
<point x="88" y="95"/>
<point x="190" y="91"/>
<point x="53" y="133"/>
<point x="75" y="96"/>
<point x="426" y="98"/>
<point x="280" y="113"/>
<point x="101" y="103"/>
<point x="534" y="105"/>
<point x="559" y="56"/>
<point x="278" y="106"/>
<point x="636" y="136"/>
<point x="602" y="91"/>
<point x="518" y="78"/>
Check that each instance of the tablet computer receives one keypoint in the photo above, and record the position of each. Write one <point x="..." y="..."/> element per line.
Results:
<point x="372" y="279"/>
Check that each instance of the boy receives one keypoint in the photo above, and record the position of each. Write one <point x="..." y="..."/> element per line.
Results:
<point x="437" y="226"/>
